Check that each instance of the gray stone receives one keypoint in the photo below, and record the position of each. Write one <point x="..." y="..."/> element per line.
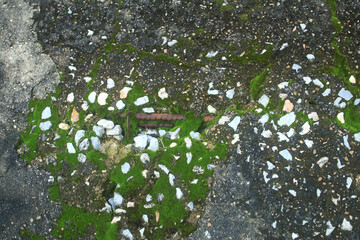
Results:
<point x="120" y="105"/>
<point x="78" y="136"/>
<point x="287" y="119"/>
<point x="115" y="131"/>
<point x="81" y="158"/>
<point x="141" y="101"/>
<point x="153" y="144"/>
<point x="92" y="97"/>
<point x="102" y="98"/>
<point x="99" y="131"/>
<point x="118" y="199"/>
<point x="70" y="148"/>
<point x="144" y="158"/>
<point x="107" y="124"/>
<point x="110" y="83"/>
<point x="234" y="123"/>
<point x="84" y="145"/>
<point x="140" y="142"/>
<point x="125" y="168"/>
<point x="345" y="94"/>
<point x="95" y="141"/>
<point x="46" y="113"/>
<point x="44" y="126"/>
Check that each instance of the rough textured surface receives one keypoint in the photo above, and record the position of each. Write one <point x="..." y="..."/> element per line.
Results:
<point x="25" y="73"/>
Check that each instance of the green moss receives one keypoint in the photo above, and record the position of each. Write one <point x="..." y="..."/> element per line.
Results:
<point x="352" y="119"/>
<point x="74" y="223"/>
<point x="244" y="17"/>
<point x="334" y="20"/>
<point x="27" y="234"/>
<point x="54" y="192"/>
<point x="95" y="157"/>
<point x="227" y="8"/>
<point x="257" y="83"/>
<point x="251" y="55"/>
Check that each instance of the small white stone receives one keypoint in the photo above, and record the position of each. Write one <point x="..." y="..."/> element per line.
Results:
<point x="310" y="57"/>
<point x="179" y="193"/>
<point x="211" y="109"/>
<point x="322" y="161"/>
<point x="287" y="119"/>
<point x="318" y="83"/>
<point x="330" y="228"/>
<point x="212" y="91"/>
<point x="46" y="113"/>
<point x="174" y="144"/>
<point x="162" y="93"/>
<point x="340" y="117"/>
<point x="313" y="116"/>
<point x="309" y="143"/>
<point x="85" y="105"/>
<point x="78" y="136"/>
<point x="120" y="105"/>
<point x="294" y="236"/>
<point x="270" y="165"/>
<point x="171" y="179"/>
<point x="296" y="67"/>
<point x="305" y="129"/>
<point x="90" y="33"/>
<point x="162" y="132"/>
<point x="44" y="126"/>
<point x="70" y="97"/>
<point x="125" y="168"/>
<point x="148" y="110"/>
<point x="266" y="133"/>
<point x="188" y="142"/>
<point x="188" y="157"/>
<point x="72" y="68"/>
<point x="95" y="142"/>
<point x="107" y="124"/>
<point x="357" y="137"/>
<point x="127" y="234"/>
<point x="114" y="131"/>
<point x="282" y="137"/>
<point x="292" y="192"/>
<point x="195" y="135"/>
<point x="230" y="93"/>
<point x="352" y="79"/>
<point x="224" y="119"/>
<point x="140" y="142"/>
<point x="264" y="100"/>
<point x="236" y="139"/>
<point x="326" y="92"/>
<point x="190" y="206"/>
<point x="345" y="94"/>
<point x="92" y="97"/>
<point x="110" y="83"/>
<point x="141" y="101"/>
<point x="264" y="119"/>
<point x="346" y="142"/>
<point x="307" y="80"/>
<point x="211" y="54"/>
<point x="346" y="225"/>
<point x="124" y="92"/>
<point x="87" y="79"/>
<point x="64" y="126"/>
<point x="102" y="98"/>
<point x="164" y="168"/>
<point x="283" y="46"/>
<point x="99" y="131"/>
<point x="153" y="144"/>
<point x="286" y="154"/>
<point x="70" y="148"/>
<point x="348" y="182"/>
<point x="288" y="106"/>
<point x="357" y="101"/>
<point x="172" y="43"/>
<point x="144" y="158"/>
<point x="81" y="158"/>
<point x="145" y="218"/>
<point x="234" y="123"/>
<point x="84" y="145"/>
<point x="283" y="85"/>
<point x="290" y="133"/>
<point x="303" y="27"/>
